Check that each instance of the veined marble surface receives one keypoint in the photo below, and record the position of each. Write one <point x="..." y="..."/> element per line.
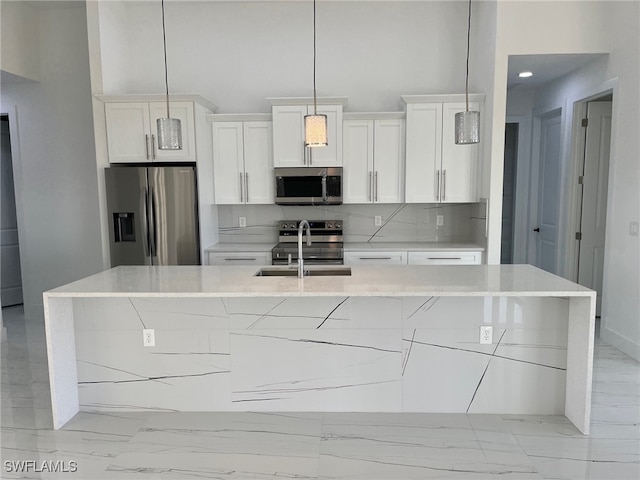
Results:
<point x="244" y="445"/>
<point x="241" y="247"/>
<point x="382" y="280"/>
<point x="412" y="246"/>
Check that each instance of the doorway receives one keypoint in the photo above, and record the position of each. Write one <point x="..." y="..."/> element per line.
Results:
<point x="548" y="198"/>
<point x="593" y="206"/>
<point x="508" y="192"/>
<point x="10" y="274"/>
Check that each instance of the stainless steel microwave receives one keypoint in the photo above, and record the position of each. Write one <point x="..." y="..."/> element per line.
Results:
<point x="308" y="185"/>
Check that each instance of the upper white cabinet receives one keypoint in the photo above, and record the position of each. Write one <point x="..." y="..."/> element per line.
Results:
<point x="288" y="135"/>
<point x="132" y="132"/>
<point x="373" y="159"/>
<point x="438" y="170"/>
<point x="243" y="162"/>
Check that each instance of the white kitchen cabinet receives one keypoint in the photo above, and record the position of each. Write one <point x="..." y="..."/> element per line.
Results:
<point x="373" y="160"/>
<point x="240" y="258"/>
<point x="375" y="258"/>
<point x="243" y="162"/>
<point x="132" y="135"/>
<point x="437" y="170"/>
<point x="442" y="257"/>
<point x="288" y="137"/>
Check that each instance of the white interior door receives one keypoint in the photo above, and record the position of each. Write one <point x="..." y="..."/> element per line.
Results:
<point x="594" y="197"/>
<point x="548" y="193"/>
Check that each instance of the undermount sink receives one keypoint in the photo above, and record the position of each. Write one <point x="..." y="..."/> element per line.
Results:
<point x="308" y="272"/>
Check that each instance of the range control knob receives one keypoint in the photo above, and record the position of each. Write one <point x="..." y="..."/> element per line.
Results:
<point x="338" y="225"/>
<point x="329" y="225"/>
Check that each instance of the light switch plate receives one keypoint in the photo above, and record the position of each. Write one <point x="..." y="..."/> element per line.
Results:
<point x="633" y="229"/>
<point x="486" y="334"/>
<point x="242" y="222"/>
<point x="439" y="220"/>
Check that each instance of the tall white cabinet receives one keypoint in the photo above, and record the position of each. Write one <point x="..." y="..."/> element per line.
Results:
<point x="373" y="158"/>
<point x="288" y="132"/>
<point x="242" y="160"/>
<point x="438" y="170"/>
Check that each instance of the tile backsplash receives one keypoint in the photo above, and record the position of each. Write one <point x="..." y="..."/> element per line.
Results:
<point x="400" y="222"/>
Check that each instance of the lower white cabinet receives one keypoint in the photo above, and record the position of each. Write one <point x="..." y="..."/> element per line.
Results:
<point x="240" y="258"/>
<point x="375" y="258"/>
<point x="440" y="257"/>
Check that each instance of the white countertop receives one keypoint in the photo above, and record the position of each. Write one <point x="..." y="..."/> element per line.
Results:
<point x="369" y="280"/>
<point x="241" y="247"/>
<point x="411" y="246"/>
<point x="356" y="247"/>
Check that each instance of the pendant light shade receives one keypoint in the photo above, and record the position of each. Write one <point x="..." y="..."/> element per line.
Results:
<point x="315" y="130"/>
<point x="169" y="129"/>
<point x="467" y="129"/>
<point x="315" y="126"/>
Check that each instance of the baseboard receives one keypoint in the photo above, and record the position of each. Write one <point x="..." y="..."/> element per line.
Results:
<point x="621" y="343"/>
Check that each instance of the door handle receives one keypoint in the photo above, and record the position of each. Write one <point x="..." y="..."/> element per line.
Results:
<point x="537" y="229"/>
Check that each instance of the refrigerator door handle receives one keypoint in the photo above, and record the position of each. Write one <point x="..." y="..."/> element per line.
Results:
<point x="152" y="226"/>
<point x="145" y="222"/>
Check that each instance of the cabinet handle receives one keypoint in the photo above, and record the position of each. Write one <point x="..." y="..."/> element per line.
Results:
<point x="239" y="258"/>
<point x="376" y="185"/>
<point x="444" y="185"/>
<point x="153" y="146"/>
<point x="370" y="194"/>
<point x="241" y="188"/>
<point x="438" y="185"/>
<point x="146" y="145"/>
<point x="246" y="187"/>
<point x="444" y="258"/>
<point x="375" y="258"/>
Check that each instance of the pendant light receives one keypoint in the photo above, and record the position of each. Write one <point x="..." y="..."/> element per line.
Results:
<point x="315" y="126"/>
<point x="169" y="129"/>
<point x="467" y="122"/>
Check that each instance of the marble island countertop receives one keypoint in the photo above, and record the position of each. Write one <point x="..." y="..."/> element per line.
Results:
<point x="367" y="280"/>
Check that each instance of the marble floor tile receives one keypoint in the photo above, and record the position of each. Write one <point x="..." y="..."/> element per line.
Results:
<point x="248" y="446"/>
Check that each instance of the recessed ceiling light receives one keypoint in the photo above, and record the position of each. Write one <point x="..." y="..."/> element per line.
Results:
<point x="525" y="74"/>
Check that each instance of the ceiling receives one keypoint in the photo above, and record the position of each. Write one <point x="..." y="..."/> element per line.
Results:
<point x="545" y="67"/>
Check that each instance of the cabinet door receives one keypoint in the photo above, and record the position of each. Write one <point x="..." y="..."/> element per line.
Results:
<point x="240" y="258"/>
<point x="228" y="162"/>
<point x="357" y="178"/>
<point x="128" y="137"/>
<point x="388" y="177"/>
<point x="288" y="135"/>
<point x="331" y="155"/>
<point x="377" y="258"/>
<point x="440" y="257"/>
<point x="258" y="163"/>
<point x="424" y="149"/>
<point x="183" y="111"/>
<point x="459" y="162"/>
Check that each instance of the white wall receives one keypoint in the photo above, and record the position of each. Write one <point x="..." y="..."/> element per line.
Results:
<point x="239" y="53"/>
<point x="19" y="54"/>
<point x="55" y="173"/>
<point x="618" y="72"/>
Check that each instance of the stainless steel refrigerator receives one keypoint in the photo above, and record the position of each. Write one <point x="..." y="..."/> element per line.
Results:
<point x="153" y="215"/>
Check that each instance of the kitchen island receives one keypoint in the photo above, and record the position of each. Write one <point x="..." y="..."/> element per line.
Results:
<point x="384" y="339"/>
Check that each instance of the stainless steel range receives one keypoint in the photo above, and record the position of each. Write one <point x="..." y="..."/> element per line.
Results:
<point x="326" y="243"/>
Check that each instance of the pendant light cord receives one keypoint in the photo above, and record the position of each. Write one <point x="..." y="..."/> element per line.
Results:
<point x="466" y="88"/>
<point x="166" y="75"/>
<point x="315" y="108"/>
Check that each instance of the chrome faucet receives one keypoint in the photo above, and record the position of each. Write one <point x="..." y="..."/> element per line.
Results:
<point x="303" y="224"/>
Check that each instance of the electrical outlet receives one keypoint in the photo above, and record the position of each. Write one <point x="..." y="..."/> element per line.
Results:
<point x="633" y="229"/>
<point x="149" y="337"/>
<point x="377" y="220"/>
<point x="486" y="334"/>
<point x="439" y="220"/>
<point x="242" y="222"/>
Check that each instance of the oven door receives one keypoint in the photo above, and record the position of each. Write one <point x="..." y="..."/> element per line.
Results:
<point x="308" y="186"/>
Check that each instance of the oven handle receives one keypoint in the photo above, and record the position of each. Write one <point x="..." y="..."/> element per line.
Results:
<point x="324" y="188"/>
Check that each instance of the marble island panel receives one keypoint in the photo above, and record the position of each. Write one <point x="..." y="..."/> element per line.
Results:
<point x="387" y="339"/>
